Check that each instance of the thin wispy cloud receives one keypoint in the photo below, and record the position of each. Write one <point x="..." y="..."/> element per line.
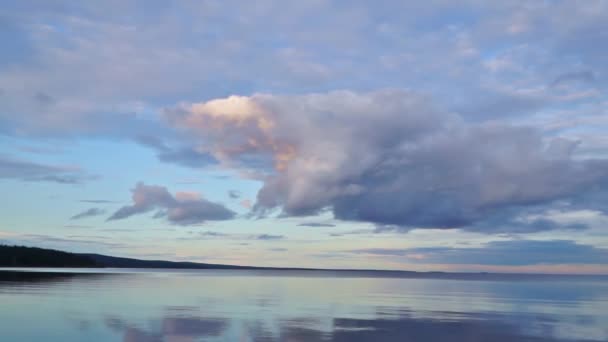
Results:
<point x="316" y="224"/>
<point x="210" y="235"/>
<point x="23" y="170"/>
<point x="97" y="201"/>
<point x="88" y="213"/>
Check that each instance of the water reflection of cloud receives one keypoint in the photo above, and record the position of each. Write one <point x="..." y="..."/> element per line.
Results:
<point x="406" y="329"/>
<point x="172" y="329"/>
<point x="190" y="307"/>
<point x="463" y="328"/>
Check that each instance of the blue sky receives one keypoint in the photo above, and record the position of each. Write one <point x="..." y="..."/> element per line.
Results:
<point x="397" y="135"/>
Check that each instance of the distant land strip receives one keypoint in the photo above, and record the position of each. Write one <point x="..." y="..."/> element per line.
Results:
<point x="34" y="257"/>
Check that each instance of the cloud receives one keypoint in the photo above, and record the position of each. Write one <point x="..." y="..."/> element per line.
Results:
<point x="181" y="209"/>
<point x="354" y="232"/>
<point x="205" y="235"/>
<point x="213" y="234"/>
<point x="268" y="237"/>
<point x="219" y="235"/>
<point x="315" y="224"/>
<point x="576" y="76"/>
<point x="512" y="252"/>
<point x="246" y="203"/>
<point x="63" y="242"/>
<point x="88" y="213"/>
<point x="97" y="201"/>
<point x="13" y="168"/>
<point x="389" y="157"/>
<point x="77" y="226"/>
<point x="234" y="194"/>
<point x="272" y="48"/>
<point x="184" y="155"/>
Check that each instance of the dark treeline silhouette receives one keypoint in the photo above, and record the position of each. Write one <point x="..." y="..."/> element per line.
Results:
<point x="117" y="262"/>
<point x="20" y="256"/>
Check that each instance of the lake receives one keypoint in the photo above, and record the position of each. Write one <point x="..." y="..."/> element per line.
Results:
<point x="291" y="306"/>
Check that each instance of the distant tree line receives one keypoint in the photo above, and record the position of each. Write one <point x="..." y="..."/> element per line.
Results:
<point x="20" y="256"/>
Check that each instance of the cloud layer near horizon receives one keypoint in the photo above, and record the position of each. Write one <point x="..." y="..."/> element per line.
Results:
<point x="515" y="253"/>
<point x="391" y="158"/>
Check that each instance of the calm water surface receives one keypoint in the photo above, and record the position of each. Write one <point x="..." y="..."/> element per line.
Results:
<point x="179" y="306"/>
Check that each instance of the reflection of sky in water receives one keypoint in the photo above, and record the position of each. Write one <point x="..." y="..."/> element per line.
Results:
<point x="250" y="306"/>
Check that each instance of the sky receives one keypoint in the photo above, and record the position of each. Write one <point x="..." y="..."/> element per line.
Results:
<point x="430" y="136"/>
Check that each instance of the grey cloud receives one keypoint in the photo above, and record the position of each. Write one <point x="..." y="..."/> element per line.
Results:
<point x="447" y="59"/>
<point x="13" y="168"/>
<point x="73" y="118"/>
<point x="151" y="141"/>
<point x="177" y="209"/>
<point x="512" y="252"/>
<point x="198" y="211"/>
<point x="234" y="194"/>
<point x="390" y="158"/>
<point x="43" y="98"/>
<point x="356" y="232"/>
<point x="268" y="237"/>
<point x="500" y="104"/>
<point x="184" y="156"/>
<point x="316" y="224"/>
<point x="77" y="226"/>
<point x="212" y="234"/>
<point x="502" y="223"/>
<point x="97" y="201"/>
<point x="119" y="230"/>
<point x="88" y="213"/>
<point x="145" y="198"/>
<point x="205" y="235"/>
<point x="312" y="159"/>
<point x="576" y="76"/>
<point x="391" y="228"/>
<point x="507" y="221"/>
<point x="41" y="150"/>
<point x="42" y="239"/>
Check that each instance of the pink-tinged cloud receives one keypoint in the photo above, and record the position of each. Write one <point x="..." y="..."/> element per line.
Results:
<point x="182" y="209"/>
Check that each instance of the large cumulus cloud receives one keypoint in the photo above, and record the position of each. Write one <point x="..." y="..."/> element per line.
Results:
<point x="181" y="209"/>
<point x="388" y="157"/>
